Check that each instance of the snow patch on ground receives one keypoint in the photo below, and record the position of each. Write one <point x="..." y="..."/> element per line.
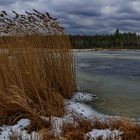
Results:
<point x="83" y="97"/>
<point x="82" y="110"/>
<point x="57" y="123"/>
<point x="17" y="130"/>
<point x="77" y="105"/>
<point x="104" y="134"/>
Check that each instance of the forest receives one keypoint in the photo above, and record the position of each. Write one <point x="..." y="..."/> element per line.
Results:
<point x="117" y="40"/>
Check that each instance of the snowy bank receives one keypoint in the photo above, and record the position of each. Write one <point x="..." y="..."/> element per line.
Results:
<point x="75" y="107"/>
<point x="83" y="97"/>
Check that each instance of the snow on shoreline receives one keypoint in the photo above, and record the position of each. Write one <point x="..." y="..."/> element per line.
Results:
<point x="16" y="130"/>
<point x="77" y="107"/>
<point x="83" y="97"/>
<point x="114" y="50"/>
<point x="74" y="107"/>
<point x="104" y="134"/>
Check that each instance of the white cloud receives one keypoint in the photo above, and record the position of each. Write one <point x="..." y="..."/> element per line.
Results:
<point x="108" y="10"/>
<point x="136" y="5"/>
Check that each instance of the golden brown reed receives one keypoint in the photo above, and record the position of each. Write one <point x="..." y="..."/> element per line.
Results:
<point x="36" y="67"/>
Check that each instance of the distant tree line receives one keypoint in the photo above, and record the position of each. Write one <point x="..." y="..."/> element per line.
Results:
<point x="116" y="40"/>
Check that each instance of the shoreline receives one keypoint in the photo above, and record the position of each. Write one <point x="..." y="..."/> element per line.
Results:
<point x="97" y="50"/>
<point x="75" y="107"/>
<point x="111" y="76"/>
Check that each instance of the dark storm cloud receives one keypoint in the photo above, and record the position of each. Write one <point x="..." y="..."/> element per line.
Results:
<point x="9" y="2"/>
<point x="6" y="2"/>
<point x="86" y="16"/>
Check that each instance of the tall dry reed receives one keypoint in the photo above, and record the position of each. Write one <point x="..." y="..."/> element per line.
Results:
<point x="36" y="66"/>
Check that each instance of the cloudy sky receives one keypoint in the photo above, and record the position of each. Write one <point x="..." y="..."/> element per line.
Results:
<point x="85" y="16"/>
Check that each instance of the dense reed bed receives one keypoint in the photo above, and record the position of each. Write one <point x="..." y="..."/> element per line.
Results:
<point x="36" y="67"/>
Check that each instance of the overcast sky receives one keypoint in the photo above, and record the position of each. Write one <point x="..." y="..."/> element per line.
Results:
<point x="85" y="16"/>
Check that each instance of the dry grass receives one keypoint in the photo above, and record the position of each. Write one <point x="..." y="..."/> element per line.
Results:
<point x="78" y="131"/>
<point x="36" y="68"/>
<point x="130" y="129"/>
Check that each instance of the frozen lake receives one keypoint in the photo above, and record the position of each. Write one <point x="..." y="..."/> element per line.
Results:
<point x="114" y="76"/>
